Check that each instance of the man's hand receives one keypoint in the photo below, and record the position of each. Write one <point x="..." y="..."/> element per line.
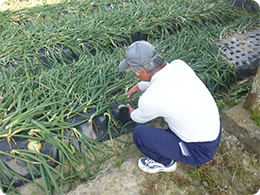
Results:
<point x="134" y="89"/>
<point x="130" y="109"/>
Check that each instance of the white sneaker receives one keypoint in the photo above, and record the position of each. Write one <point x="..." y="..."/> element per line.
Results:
<point x="150" y="166"/>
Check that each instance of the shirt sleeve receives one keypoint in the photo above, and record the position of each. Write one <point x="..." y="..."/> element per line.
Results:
<point x="143" y="85"/>
<point x="145" y="112"/>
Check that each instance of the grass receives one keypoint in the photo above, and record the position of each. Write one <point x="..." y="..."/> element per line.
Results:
<point x="234" y="96"/>
<point x="256" y="118"/>
<point x="59" y="60"/>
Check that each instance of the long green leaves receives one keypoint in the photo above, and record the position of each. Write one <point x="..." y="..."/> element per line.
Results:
<point x="60" y="60"/>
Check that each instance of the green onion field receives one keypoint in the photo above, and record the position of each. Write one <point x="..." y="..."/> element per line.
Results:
<point x="58" y="60"/>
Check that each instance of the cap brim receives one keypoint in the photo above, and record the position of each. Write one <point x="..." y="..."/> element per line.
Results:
<point x="123" y="66"/>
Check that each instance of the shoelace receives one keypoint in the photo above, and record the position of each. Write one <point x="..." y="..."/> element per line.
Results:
<point x="150" y="162"/>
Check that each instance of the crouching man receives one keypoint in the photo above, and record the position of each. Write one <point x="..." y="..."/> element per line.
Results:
<point x="174" y="92"/>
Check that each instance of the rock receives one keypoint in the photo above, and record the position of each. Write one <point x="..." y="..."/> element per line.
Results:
<point x="252" y="102"/>
<point x="238" y="122"/>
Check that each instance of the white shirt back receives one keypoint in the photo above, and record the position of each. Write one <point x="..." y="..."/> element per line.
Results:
<point x="179" y="96"/>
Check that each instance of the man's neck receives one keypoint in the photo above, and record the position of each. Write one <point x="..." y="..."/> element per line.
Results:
<point x="159" y="68"/>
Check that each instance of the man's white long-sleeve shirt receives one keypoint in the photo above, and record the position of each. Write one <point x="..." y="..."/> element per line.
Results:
<point x="179" y="96"/>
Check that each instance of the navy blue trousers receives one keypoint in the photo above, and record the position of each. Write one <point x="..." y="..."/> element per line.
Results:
<point x="163" y="145"/>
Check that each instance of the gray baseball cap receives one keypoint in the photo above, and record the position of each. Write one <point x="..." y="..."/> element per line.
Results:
<point x="138" y="53"/>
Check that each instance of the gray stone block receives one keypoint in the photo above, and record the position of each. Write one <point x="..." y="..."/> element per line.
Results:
<point x="238" y="122"/>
